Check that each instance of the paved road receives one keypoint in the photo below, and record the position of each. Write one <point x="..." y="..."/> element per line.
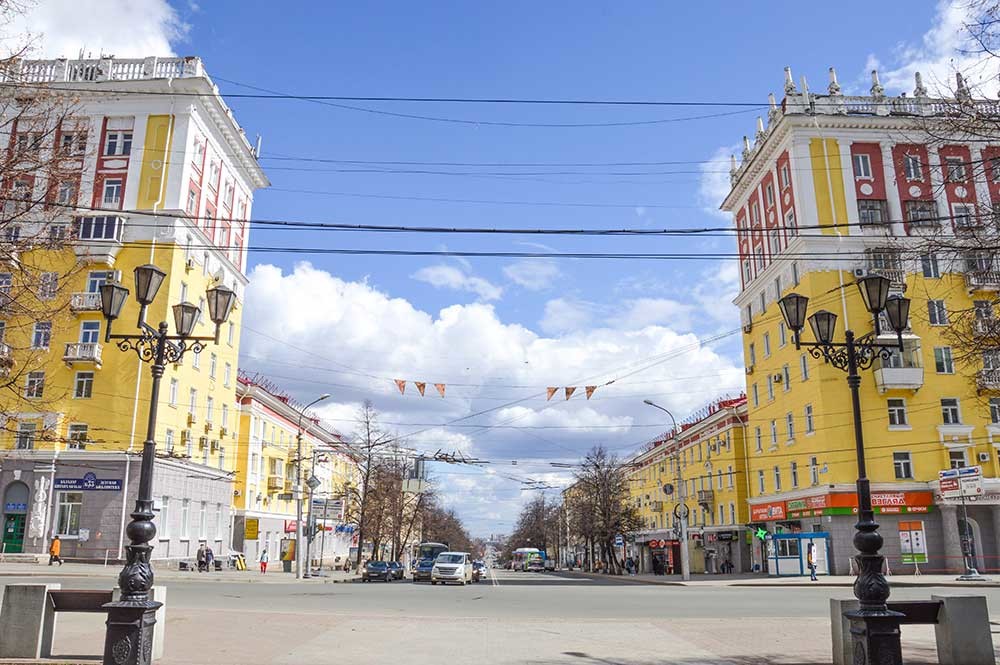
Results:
<point x="511" y="618"/>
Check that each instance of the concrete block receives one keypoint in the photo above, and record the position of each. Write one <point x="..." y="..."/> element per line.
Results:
<point x="27" y="621"/>
<point x="158" y="594"/>
<point x="963" y="631"/>
<point x="840" y="627"/>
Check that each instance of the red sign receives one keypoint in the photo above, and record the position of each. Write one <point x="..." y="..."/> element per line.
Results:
<point x="289" y="526"/>
<point x="949" y="485"/>
<point x="767" y="511"/>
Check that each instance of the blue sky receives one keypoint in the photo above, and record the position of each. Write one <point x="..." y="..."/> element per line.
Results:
<point x="501" y="330"/>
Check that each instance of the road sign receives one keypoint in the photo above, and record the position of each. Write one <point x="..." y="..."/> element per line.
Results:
<point x="285" y="496"/>
<point x="679" y="509"/>
<point x="619" y="541"/>
<point x="313" y="482"/>
<point x="964" y="482"/>
<point x="251" y="529"/>
<point x="668" y="489"/>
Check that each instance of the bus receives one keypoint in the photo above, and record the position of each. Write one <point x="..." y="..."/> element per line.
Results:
<point x="428" y="551"/>
<point x="524" y="557"/>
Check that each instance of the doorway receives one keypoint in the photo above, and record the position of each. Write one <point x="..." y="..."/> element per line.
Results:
<point x="968" y="532"/>
<point x="15" y="514"/>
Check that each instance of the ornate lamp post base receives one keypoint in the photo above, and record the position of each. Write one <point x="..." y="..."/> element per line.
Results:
<point x="129" y="637"/>
<point x="876" y="637"/>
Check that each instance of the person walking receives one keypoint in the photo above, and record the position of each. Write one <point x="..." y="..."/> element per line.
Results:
<point x="263" y="559"/>
<point x="201" y="557"/>
<point x="811" y="561"/>
<point x="54" y="549"/>
<point x="630" y="567"/>
<point x="209" y="558"/>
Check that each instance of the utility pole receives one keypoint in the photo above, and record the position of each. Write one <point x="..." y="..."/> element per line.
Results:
<point x="297" y="490"/>
<point x="682" y="496"/>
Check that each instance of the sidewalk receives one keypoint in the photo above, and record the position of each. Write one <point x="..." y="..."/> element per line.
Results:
<point x="742" y="580"/>
<point x="251" y="575"/>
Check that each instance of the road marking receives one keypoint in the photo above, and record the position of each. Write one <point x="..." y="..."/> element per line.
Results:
<point x="493" y="577"/>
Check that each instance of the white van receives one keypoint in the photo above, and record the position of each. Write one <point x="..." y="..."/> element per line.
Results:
<point x="452" y="567"/>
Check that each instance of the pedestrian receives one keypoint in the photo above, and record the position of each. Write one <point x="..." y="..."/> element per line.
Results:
<point x="201" y="557"/>
<point x="630" y="566"/>
<point x="209" y="559"/>
<point x="263" y="559"/>
<point x="54" y="549"/>
<point x="811" y="561"/>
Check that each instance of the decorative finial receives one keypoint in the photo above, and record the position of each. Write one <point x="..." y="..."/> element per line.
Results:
<point x="877" y="90"/>
<point x="746" y="149"/>
<point x="734" y="168"/>
<point x="774" y="112"/>
<point x="772" y="102"/>
<point x="789" y="82"/>
<point x="919" y="90"/>
<point x="805" y="87"/>
<point x="834" y="87"/>
<point x="962" y="93"/>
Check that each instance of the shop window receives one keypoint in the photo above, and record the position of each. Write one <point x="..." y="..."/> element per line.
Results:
<point x="68" y="508"/>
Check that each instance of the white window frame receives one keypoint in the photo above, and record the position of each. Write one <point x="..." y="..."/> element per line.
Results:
<point x="808" y="416"/>
<point x="902" y="467"/>
<point x="951" y="414"/>
<point x="913" y="168"/>
<point x="80" y="379"/>
<point x="896" y="410"/>
<point x="862" y="166"/>
<point x="68" y="503"/>
<point x="943" y="359"/>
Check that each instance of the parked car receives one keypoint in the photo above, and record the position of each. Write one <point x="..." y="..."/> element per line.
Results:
<point x="376" y="570"/>
<point x="398" y="572"/>
<point x="422" y="571"/>
<point x="536" y="565"/>
<point x="478" y="570"/>
<point x="452" y="567"/>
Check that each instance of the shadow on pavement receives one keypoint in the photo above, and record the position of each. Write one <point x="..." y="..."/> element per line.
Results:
<point x="910" y="656"/>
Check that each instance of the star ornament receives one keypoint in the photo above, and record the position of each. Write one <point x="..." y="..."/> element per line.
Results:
<point x="761" y="533"/>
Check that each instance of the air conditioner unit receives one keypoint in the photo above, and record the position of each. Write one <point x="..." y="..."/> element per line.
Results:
<point x="189" y="265"/>
<point x="208" y="426"/>
<point x="222" y="432"/>
<point x="203" y="442"/>
<point x="984" y="457"/>
<point x="214" y="446"/>
<point x="778" y="378"/>
<point x="186" y="436"/>
<point x="237" y="493"/>
<point x="747" y="327"/>
<point x="860" y="272"/>
<point x="749" y="369"/>
<point x="712" y="448"/>
<point x="191" y="419"/>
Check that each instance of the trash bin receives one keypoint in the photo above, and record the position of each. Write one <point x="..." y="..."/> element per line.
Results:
<point x="286" y="566"/>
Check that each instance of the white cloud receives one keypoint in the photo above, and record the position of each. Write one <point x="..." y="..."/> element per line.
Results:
<point x="643" y="312"/>
<point x="563" y="315"/>
<point x="532" y="274"/>
<point x="713" y="184"/>
<point x="123" y="28"/>
<point x="449" y="277"/>
<point x="361" y="338"/>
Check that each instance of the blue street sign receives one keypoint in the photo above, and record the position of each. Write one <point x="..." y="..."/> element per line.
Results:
<point x="90" y="481"/>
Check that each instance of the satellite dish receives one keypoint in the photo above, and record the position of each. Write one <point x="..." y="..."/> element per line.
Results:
<point x="668" y="489"/>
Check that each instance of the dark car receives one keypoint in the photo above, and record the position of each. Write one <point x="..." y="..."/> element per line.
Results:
<point x="422" y="571"/>
<point x="376" y="570"/>
<point x="397" y="570"/>
<point x="478" y="570"/>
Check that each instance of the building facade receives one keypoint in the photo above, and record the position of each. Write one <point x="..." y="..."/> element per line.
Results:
<point x="146" y="165"/>
<point x="833" y="188"/>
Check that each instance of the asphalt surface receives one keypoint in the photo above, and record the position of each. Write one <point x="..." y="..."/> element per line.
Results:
<point x="508" y="618"/>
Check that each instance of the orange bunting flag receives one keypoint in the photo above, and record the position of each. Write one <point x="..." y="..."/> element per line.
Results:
<point x="551" y="392"/>
<point x="420" y="387"/>
<point x="590" y="390"/>
<point x="570" y="391"/>
<point x="401" y="384"/>
<point x="440" y="388"/>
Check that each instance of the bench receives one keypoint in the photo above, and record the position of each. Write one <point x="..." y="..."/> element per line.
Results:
<point x="961" y="627"/>
<point x="79" y="601"/>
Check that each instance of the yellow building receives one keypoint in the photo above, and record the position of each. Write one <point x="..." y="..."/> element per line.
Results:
<point x="159" y="172"/>
<point x="265" y="456"/>
<point x="704" y="465"/>
<point x="832" y="189"/>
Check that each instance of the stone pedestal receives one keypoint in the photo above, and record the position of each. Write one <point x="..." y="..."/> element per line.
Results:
<point x="963" y="631"/>
<point x="27" y="621"/>
<point x="843" y="641"/>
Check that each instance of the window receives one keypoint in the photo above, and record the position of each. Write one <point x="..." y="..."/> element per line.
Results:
<point x="232" y="333"/>
<point x="943" y="363"/>
<point x="752" y="354"/>
<point x="936" y="313"/>
<point x="782" y="334"/>
<point x="173" y="392"/>
<point x="73" y="143"/>
<point x="718" y="480"/>
<point x="763" y="302"/>
<point x="862" y="166"/>
<point x="963" y="216"/>
<point x="769" y="195"/>
<point x="995" y="169"/>
<point x="35" y="385"/>
<point x="760" y="482"/>
<point x="218" y="521"/>
<point x="777" y="287"/>
<point x="90" y="332"/>
<point x="897" y="412"/>
<point x="767" y="345"/>
<point x="25" y="436"/>
<point x="774" y="432"/>
<point x="729" y="476"/>
<point x="786" y="377"/>
<point x="722" y="514"/>
<point x="791" y="225"/>
<point x="118" y="143"/>
<point x="929" y="265"/>
<point x="96" y="278"/>
<point x="814" y="471"/>
<point x="872" y="212"/>
<point x="48" y="284"/>
<point x="203" y="521"/>
<point x="163" y="522"/>
<point x="192" y="202"/>
<point x="68" y="508"/>
<point x="902" y="465"/>
<point x="83" y="387"/>
<point x="774" y="241"/>
<point x="921" y="213"/>
<point x="747" y="272"/>
<point x="196" y="362"/>
<point x="209" y="408"/>
<point x="168" y="440"/>
<point x="41" y="335"/>
<point x="227" y="375"/>
<point x="790" y="425"/>
<point x="100" y="227"/>
<point x="804" y="367"/>
<point x="76" y="437"/>
<point x="757" y="438"/>
<point x="777" y="478"/>
<point x="995" y="410"/>
<point x="956" y="458"/>
<point x="770" y="387"/>
<point x="912" y="167"/>
<point x="193" y="404"/>
<point x="224" y="419"/>
<point x="949" y="411"/>
<point x="185" y="519"/>
<point x="785" y="177"/>
<point x="66" y="192"/>
<point x="978" y="262"/>
<point x="795" y="474"/>
<point x="954" y="169"/>
<point x="112" y="192"/>
<point x="732" y="513"/>
<point x="213" y="362"/>
<point x="810" y="428"/>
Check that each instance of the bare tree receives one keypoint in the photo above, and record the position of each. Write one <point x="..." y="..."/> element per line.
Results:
<point x="368" y="498"/>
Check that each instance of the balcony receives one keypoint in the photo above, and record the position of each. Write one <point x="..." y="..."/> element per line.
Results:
<point x="101" y="69"/>
<point x="706" y="496"/>
<point x="6" y="359"/>
<point x="83" y="352"/>
<point x="988" y="379"/>
<point x="275" y="483"/>
<point x="656" y="506"/>
<point x="899" y="378"/>
<point x="99" y="237"/>
<point x="984" y="326"/>
<point x="894" y="275"/>
<point x="983" y="280"/>
<point x="85" y="302"/>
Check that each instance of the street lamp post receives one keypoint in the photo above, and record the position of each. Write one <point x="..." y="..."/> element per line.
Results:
<point x="874" y="627"/>
<point x="312" y="483"/>
<point x="298" y="487"/>
<point x="129" y="636"/>
<point x="682" y="496"/>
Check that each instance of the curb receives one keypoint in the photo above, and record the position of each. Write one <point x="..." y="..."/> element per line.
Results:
<point x="165" y="578"/>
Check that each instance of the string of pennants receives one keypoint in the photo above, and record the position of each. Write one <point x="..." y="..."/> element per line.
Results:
<point x="421" y="387"/>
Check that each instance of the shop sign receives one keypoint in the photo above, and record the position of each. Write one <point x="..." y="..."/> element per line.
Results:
<point x="912" y="542"/>
<point x="768" y="511"/>
<point x="15" y="507"/>
<point x="89" y="481"/>
<point x="290" y="526"/>
<point x="725" y="535"/>
<point x="251" y="528"/>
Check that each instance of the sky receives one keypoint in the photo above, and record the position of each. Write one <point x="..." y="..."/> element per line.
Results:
<point x="499" y="331"/>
